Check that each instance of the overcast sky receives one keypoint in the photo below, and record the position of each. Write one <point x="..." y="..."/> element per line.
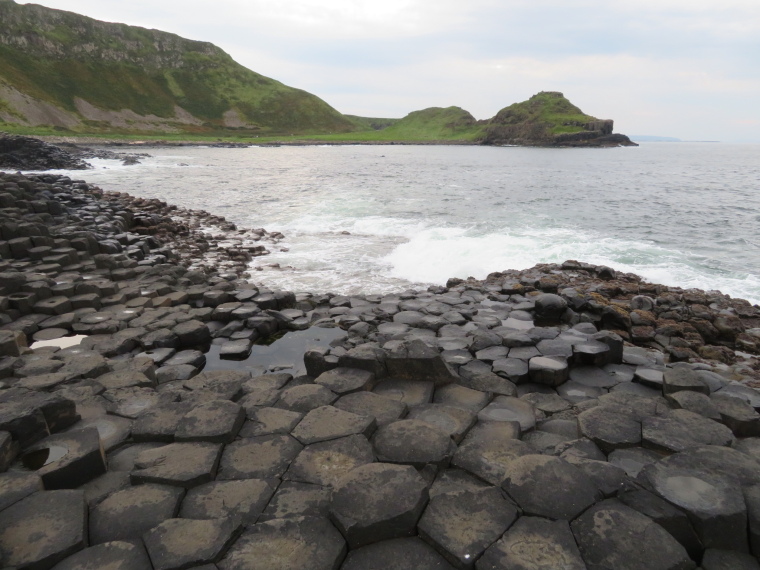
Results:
<point x="681" y="68"/>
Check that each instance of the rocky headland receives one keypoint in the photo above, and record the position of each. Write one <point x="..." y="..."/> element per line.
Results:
<point x="564" y="416"/>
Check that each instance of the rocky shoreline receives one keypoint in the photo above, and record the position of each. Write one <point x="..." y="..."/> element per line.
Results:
<point x="565" y="416"/>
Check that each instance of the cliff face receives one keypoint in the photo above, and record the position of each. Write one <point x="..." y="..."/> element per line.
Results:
<point x="68" y="71"/>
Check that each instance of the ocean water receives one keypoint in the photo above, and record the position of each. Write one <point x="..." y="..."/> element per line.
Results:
<point x="387" y="218"/>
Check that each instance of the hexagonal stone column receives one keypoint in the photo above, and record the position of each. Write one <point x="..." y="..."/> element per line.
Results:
<point x="396" y="554"/>
<point x="43" y="529"/>
<point x="489" y="449"/>
<point x="462" y="525"/>
<point x="378" y="501"/>
<point x="344" y="380"/>
<point x="531" y="543"/>
<point x="327" y="422"/>
<point x="116" y="555"/>
<point x="182" y="464"/>
<point x="217" y="421"/>
<point x="127" y="514"/>
<point x="681" y="430"/>
<point x="181" y="543"/>
<point x="261" y="457"/>
<point x="284" y="544"/>
<point x="549" y="487"/>
<point x="413" y="442"/>
<point x="244" y="499"/>
<point x="327" y="462"/>
<point x="610" y="427"/>
<point x="611" y="535"/>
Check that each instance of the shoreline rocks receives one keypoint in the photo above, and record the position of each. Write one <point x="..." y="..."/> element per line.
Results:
<point x="569" y="405"/>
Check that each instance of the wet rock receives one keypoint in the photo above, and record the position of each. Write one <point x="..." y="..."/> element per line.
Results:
<point x="244" y="500"/>
<point x="408" y="392"/>
<point x="327" y="422"/>
<point x="507" y="409"/>
<point x="378" y="501"/>
<point x="728" y="560"/>
<point x="217" y="421"/>
<point x="284" y="544"/>
<point x="714" y="502"/>
<point x="43" y="529"/>
<point x="178" y="543"/>
<point x="366" y="358"/>
<point x="681" y="430"/>
<point x="116" y="555"/>
<point x="396" y="554"/>
<point x="533" y="543"/>
<point x="261" y="457"/>
<point x="182" y="464"/>
<point x="327" y="462"/>
<point x="127" y="514"/>
<point x="413" y="442"/>
<point x="611" y="535"/>
<point x="461" y="397"/>
<point x="305" y="398"/>
<point x="633" y="459"/>
<point x="551" y="371"/>
<point x="294" y="499"/>
<point x="66" y="461"/>
<point x="549" y="487"/>
<point x="461" y="526"/>
<point x="451" y="420"/>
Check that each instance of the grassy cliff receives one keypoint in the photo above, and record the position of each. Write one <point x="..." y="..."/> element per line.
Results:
<point x="68" y="71"/>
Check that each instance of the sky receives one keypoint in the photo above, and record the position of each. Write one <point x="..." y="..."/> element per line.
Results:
<point x="678" y="68"/>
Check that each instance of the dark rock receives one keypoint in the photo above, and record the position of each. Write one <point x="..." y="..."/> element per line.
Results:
<point x="182" y="464"/>
<point x="683" y="378"/>
<point x="217" y="421"/>
<point x="451" y="420"/>
<point x="17" y="485"/>
<point x="116" y="555"/>
<point x="413" y="442"/>
<point x="305" y="398"/>
<point x="489" y="449"/>
<point x="281" y="544"/>
<point x="507" y="409"/>
<point x="378" y="501"/>
<point x="533" y="543"/>
<point x="728" y="560"/>
<point x="127" y="514"/>
<point x="261" y="457"/>
<point x="462" y="525"/>
<point x="25" y="153"/>
<point x="681" y="430"/>
<point x="178" y="543"/>
<point x="294" y="499"/>
<point x="344" y="380"/>
<point x="611" y="535"/>
<point x="384" y="410"/>
<point x="610" y="427"/>
<point x="396" y="554"/>
<point x="416" y="361"/>
<point x="244" y="500"/>
<point x="43" y="529"/>
<point x="327" y="462"/>
<point x="326" y="422"/>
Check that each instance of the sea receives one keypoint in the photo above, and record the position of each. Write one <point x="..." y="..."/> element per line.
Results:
<point x="380" y="219"/>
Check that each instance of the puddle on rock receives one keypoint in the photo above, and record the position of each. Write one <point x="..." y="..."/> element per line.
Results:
<point x="35" y="460"/>
<point x="283" y="355"/>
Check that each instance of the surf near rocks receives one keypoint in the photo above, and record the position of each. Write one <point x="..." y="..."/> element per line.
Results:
<point x="436" y="428"/>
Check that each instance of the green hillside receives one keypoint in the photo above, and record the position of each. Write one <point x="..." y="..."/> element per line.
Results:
<point x="82" y="74"/>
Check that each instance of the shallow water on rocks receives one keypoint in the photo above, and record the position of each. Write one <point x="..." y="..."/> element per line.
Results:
<point x="384" y="218"/>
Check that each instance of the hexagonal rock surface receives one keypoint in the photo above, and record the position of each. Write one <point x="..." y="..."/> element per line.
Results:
<point x="326" y="422"/>
<point x="681" y="430"/>
<point x="414" y="360"/>
<point x="217" y="421"/>
<point x="160" y="423"/>
<point x="378" y="501"/>
<point x="610" y="427"/>
<point x="489" y="448"/>
<point x="327" y="462"/>
<point x="728" y="560"/>
<point x="15" y="486"/>
<point x="305" y="398"/>
<point x="127" y="514"/>
<point x="180" y="543"/>
<point x="66" y="461"/>
<point x="396" y="554"/>
<point x="549" y="487"/>
<point x="461" y="526"/>
<point x="509" y="409"/>
<point x="116" y="555"/>
<point x="532" y="543"/>
<point x="261" y="457"/>
<point x="244" y="499"/>
<point x="409" y="392"/>
<point x="125" y="379"/>
<point x="413" y="442"/>
<point x="682" y="378"/>
<point x="738" y="415"/>
<point x="456" y="481"/>
<point x="294" y="499"/>
<point x="182" y="464"/>
<point x="384" y="410"/>
<point x="346" y="380"/>
<point x="548" y="370"/>
<point x="714" y="501"/>
<point x="453" y="421"/>
<point x="287" y="544"/>
<point x="460" y="397"/>
<point x="268" y="421"/>
<point x="611" y="535"/>
<point x="43" y="529"/>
